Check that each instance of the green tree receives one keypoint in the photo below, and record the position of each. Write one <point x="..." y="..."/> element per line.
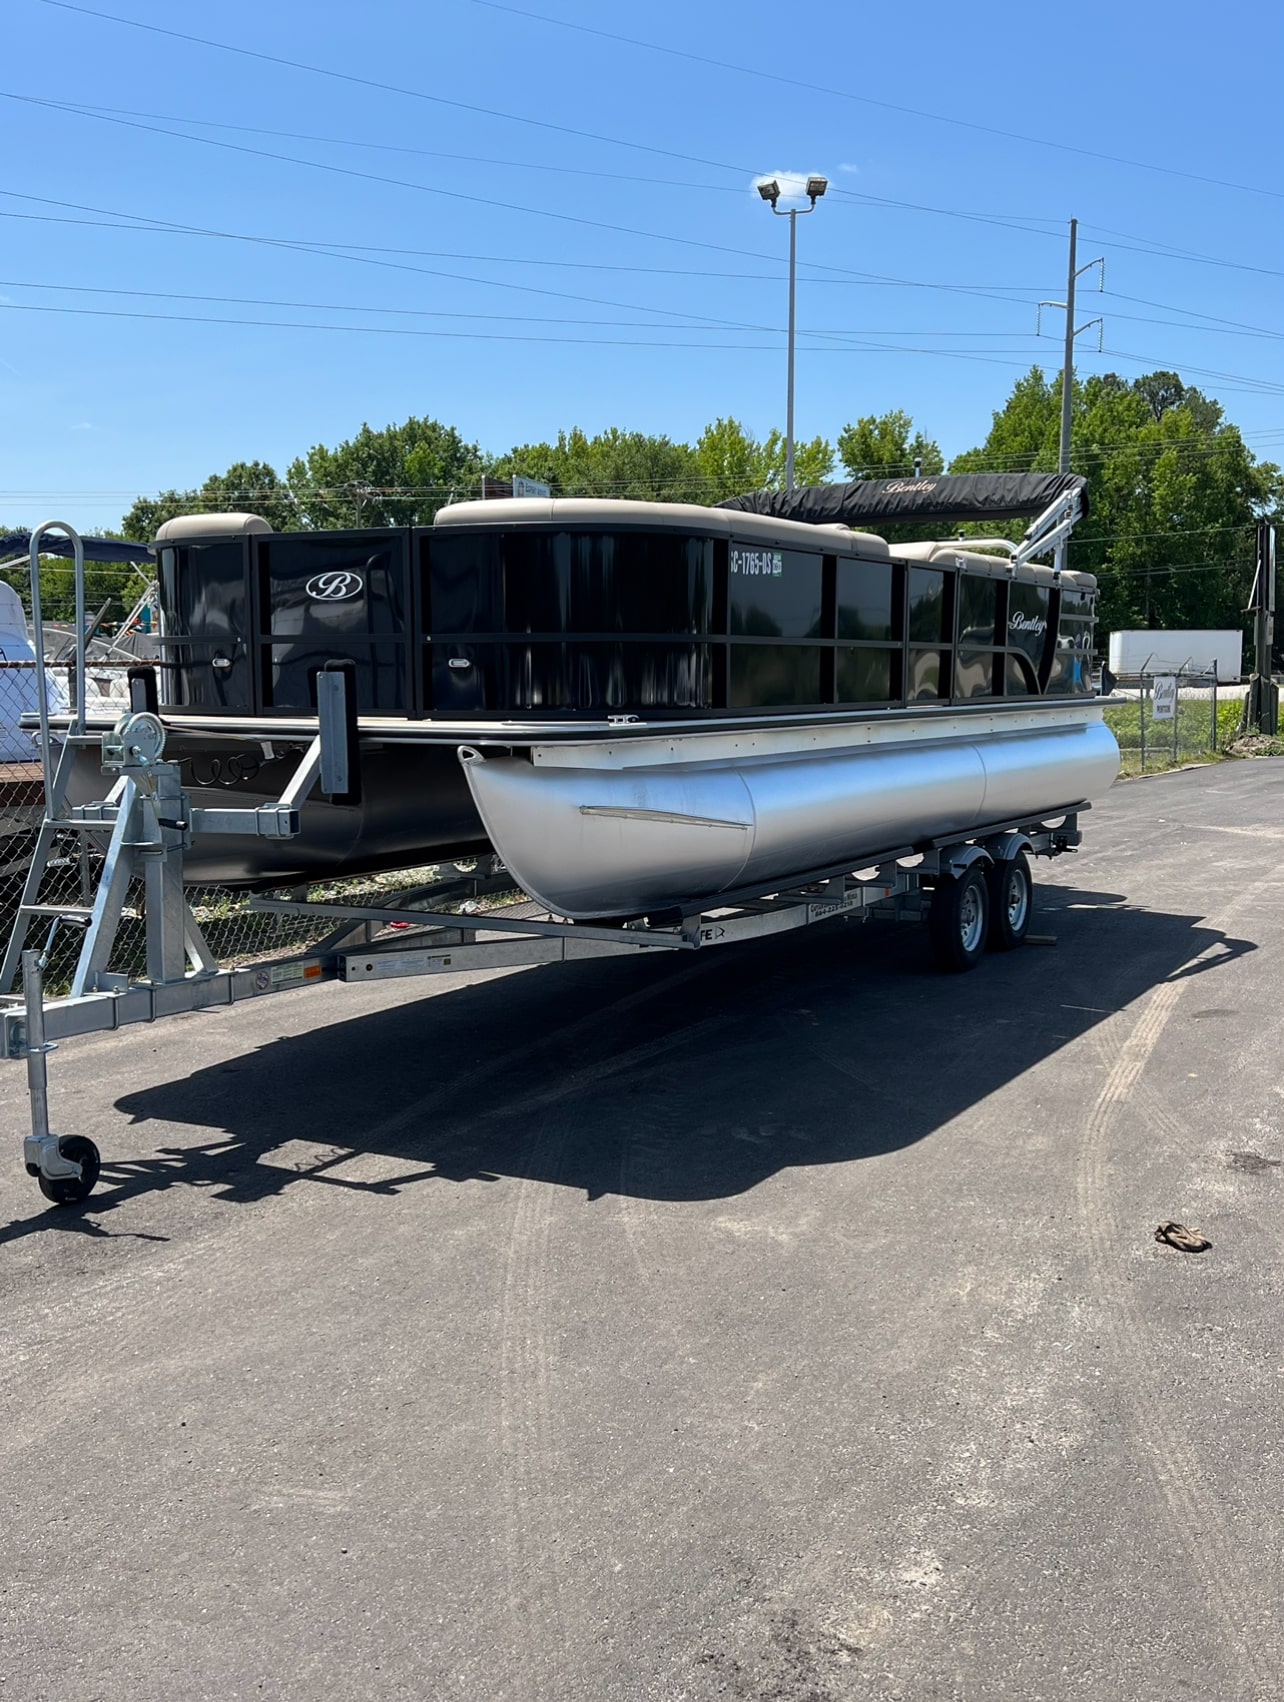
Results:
<point x="398" y="476"/>
<point x="615" y="463"/>
<point x="1174" y="492"/>
<point x="880" y="446"/>
<point x="733" y="461"/>
<point x="247" y="487"/>
<point x="1024" y="433"/>
<point x="813" y="459"/>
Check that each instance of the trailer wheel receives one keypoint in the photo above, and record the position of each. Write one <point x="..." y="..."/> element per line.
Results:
<point x="959" y="920"/>
<point x="1011" y="902"/>
<point x="70" y="1190"/>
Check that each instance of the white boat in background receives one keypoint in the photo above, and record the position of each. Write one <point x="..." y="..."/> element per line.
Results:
<point x="18" y="691"/>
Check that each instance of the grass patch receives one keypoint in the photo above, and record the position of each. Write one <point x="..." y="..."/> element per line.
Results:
<point x="1147" y="746"/>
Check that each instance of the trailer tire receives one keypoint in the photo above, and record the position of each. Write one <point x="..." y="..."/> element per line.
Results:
<point x="70" y="1190"/>
<point x="959" y="920"/>
<point x="1011" y="902"/>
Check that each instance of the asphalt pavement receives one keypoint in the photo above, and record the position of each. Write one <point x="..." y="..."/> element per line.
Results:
<point x="784" y="1323"/>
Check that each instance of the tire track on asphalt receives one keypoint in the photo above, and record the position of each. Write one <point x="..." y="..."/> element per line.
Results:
<point x="1169" y="1455"/>
<point x="807" y="1620"/>
<point x="531" y="1450"/>
<point x="537" y="1628"/>
<point x="886" y="1604"/>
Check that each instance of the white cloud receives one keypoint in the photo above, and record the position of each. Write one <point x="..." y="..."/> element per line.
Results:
<point x="82" y="425"/>
<point x="853" y="169"/>
<point x="793" y="184"/>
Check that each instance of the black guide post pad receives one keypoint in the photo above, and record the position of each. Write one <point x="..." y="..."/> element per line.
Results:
<point x="337" y="723"/>
<point x="143" y="693"/>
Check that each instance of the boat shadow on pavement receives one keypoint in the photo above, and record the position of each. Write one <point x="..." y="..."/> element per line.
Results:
<point x="661" y="1079"/>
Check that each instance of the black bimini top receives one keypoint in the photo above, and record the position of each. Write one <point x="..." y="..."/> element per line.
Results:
<point x="945" y="497"/>
<point x="114" y="551"/>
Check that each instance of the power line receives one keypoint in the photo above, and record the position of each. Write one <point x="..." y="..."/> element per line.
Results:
<point x="1122" y="570"/>
<point x="298" y="245"/>
<point x="367" y="307"/>
<point x="86" y="110"/>
<point x="378" y="330"/>
<point x="428" y="189"/>
<point x="840" y="94"/>
<point x="438" y="313"/>
<point x="1190" y="312"/>
<point x="857" y="280"/>
<point x="1255" y="385"/>
<point x="387" y="88"/>
<point x="168" y="228"/>
<point x="394" y="182"/>
<point x="340" y="252"/>
<point x="1266" y="386"/>
<point x="1027" y="224"/>
<point x="1161" y="251"/>
<point x="684" y="481"/>
<point x="846" y="346"/>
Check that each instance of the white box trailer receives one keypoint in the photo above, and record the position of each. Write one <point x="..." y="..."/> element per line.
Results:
<point x="1189" y="650"/>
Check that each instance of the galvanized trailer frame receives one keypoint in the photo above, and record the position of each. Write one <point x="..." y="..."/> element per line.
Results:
<point x="146" y="822"/>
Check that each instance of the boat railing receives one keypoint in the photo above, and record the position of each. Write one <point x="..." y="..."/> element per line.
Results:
<point x="77" y="724"/>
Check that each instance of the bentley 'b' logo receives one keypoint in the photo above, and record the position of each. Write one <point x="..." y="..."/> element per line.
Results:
<point x="334" y="587"/>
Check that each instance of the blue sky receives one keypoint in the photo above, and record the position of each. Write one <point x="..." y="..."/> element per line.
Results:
<point x="607" y="262"/>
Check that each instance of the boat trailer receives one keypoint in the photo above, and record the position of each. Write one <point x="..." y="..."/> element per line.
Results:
<point x="974" y="890"/>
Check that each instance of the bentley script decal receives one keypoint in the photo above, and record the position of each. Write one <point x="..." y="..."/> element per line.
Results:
<point x="335" y="586"/>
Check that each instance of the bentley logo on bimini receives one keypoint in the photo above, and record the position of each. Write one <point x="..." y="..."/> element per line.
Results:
<point x="334" y="587"/>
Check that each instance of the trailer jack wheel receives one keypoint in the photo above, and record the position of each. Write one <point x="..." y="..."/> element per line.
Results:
<point x="959" y="920"/>
<point x="70" y="1190"/>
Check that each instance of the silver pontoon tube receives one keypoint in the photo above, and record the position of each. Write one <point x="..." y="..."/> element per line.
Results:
<point x="592" y="842"/>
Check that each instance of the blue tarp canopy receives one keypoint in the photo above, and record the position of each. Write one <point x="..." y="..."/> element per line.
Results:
<point x="110" y="550"/>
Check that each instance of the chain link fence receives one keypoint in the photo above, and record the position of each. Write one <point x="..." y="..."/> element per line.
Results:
<point x="22" y="788"/>
<point x="1171" y="719"/>
<point x="236" y="934"/>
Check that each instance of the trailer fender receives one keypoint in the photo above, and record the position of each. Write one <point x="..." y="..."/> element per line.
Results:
<point x="1005" y="846"/>
<point x="957" y="859"/>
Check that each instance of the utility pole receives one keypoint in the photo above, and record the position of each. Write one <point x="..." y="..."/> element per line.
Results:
<point x="1067" y="364"/>
<point x="1262" y="709"/>
<point x="1072" y="331"/>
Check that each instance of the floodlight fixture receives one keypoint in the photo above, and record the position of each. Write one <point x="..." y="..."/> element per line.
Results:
<point x="770" y="191"/>
<point x="816" y="187"/>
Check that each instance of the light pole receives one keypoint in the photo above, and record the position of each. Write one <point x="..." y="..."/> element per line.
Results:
<point x="816" y="187"/>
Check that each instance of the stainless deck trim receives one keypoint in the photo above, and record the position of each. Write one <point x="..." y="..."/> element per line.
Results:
<point x="400" y="729"/>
